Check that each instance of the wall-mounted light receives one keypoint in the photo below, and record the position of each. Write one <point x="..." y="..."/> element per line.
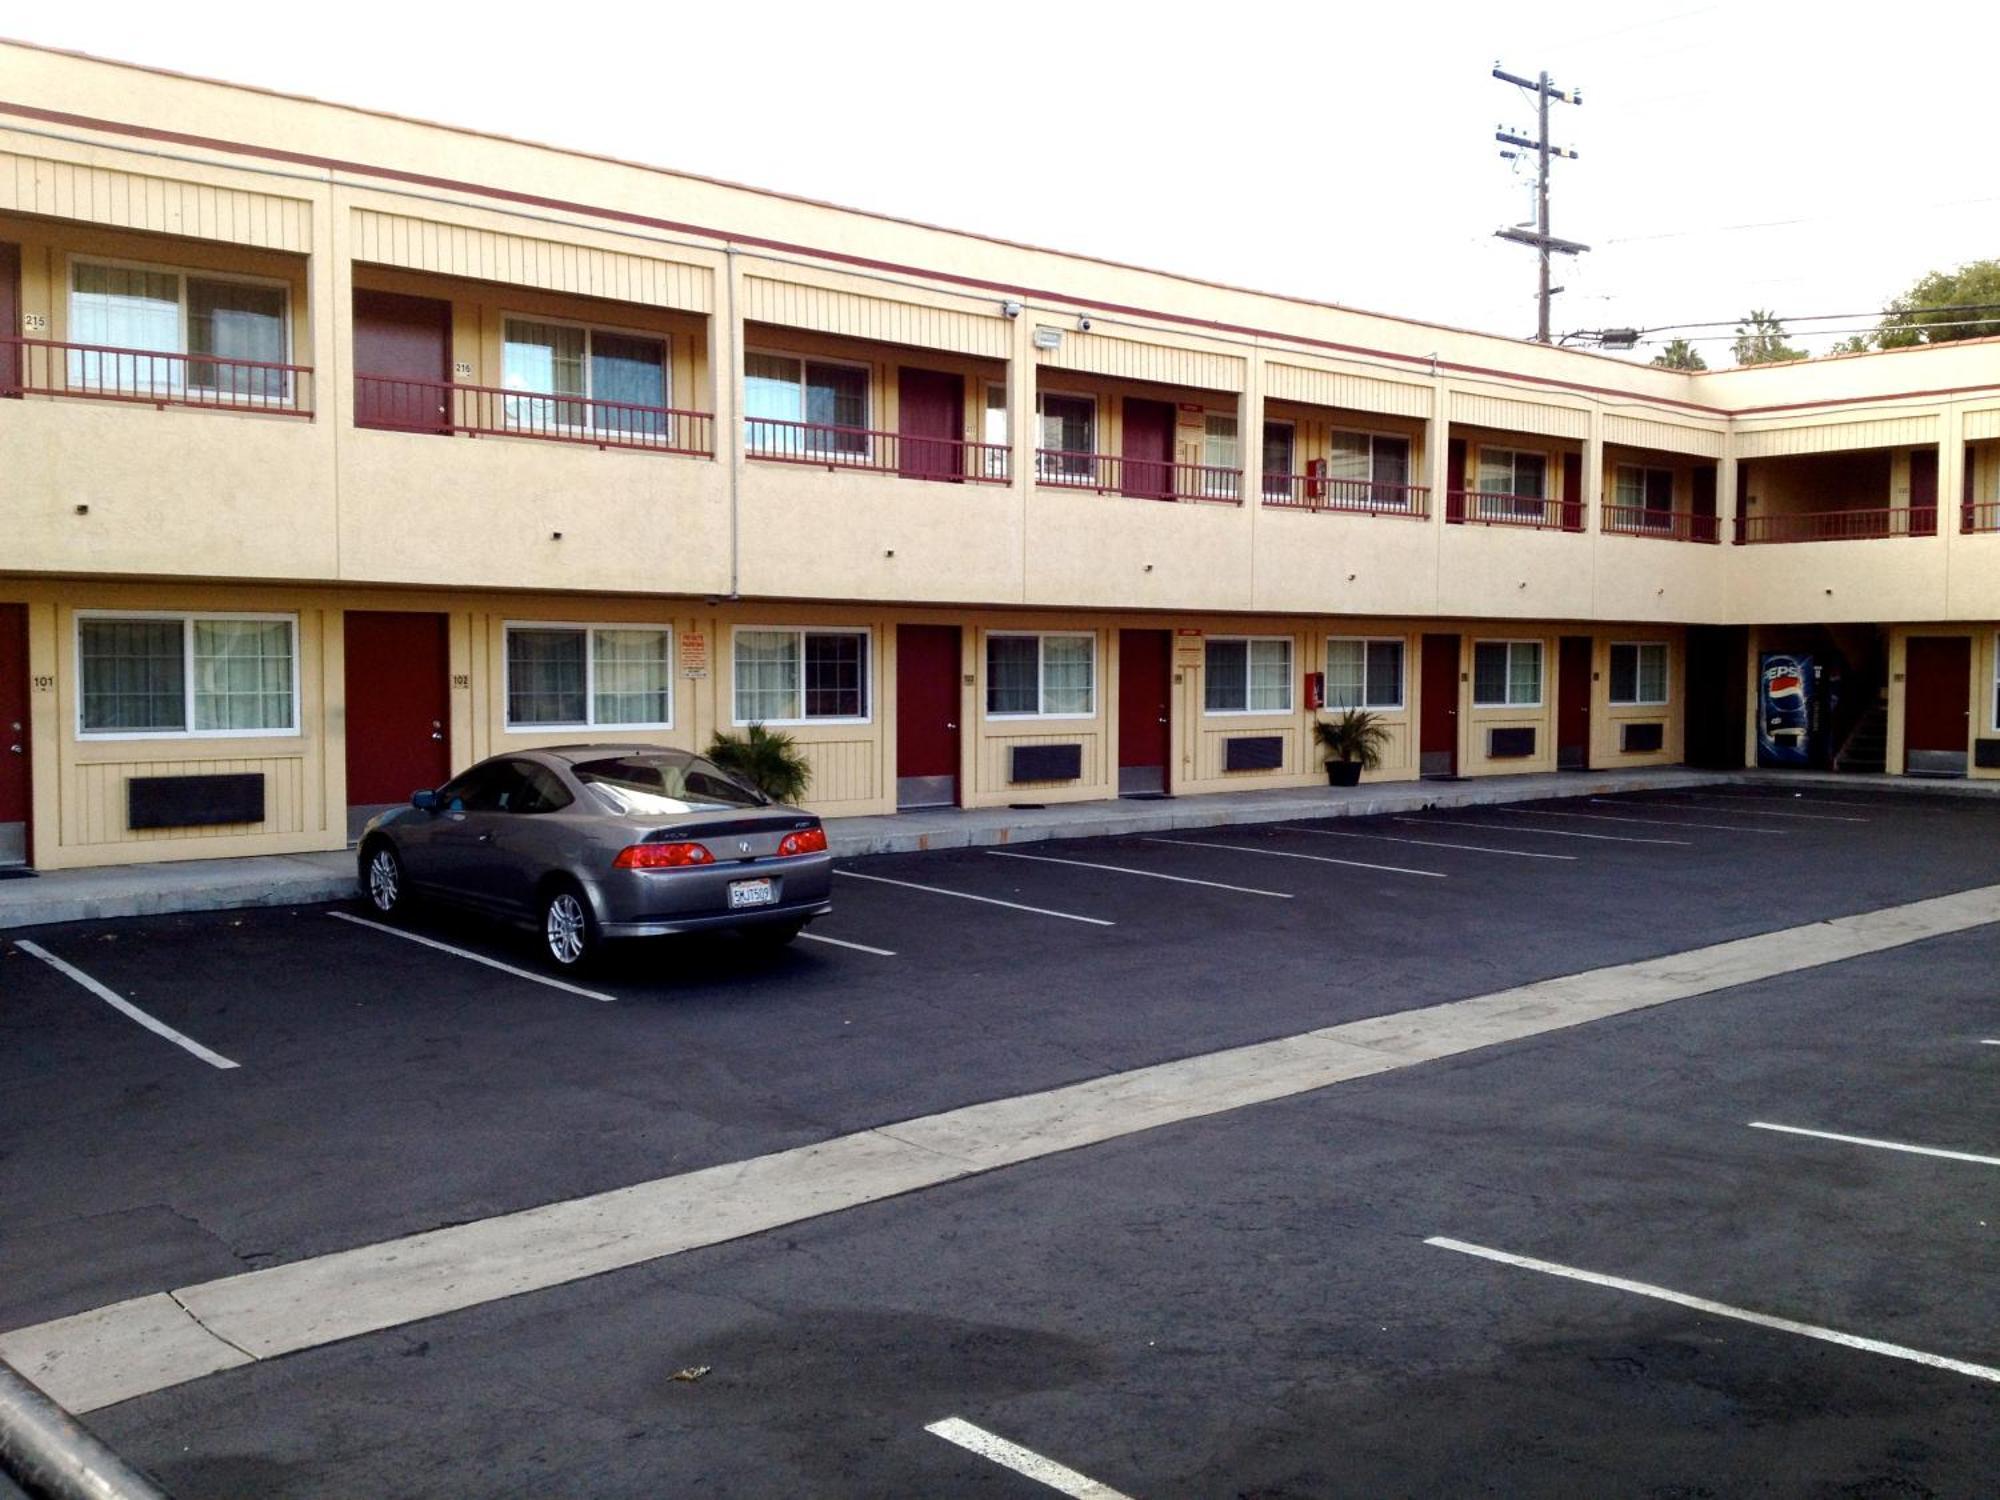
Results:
<point x="1010" y="308"/>
<point x="555" y="536"/>
<point x="1083" y="325"/>
<point x="1047" y="337"/>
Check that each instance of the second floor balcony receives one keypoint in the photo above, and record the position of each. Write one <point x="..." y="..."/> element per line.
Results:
<point x="1514" y="479"/>
<point x="1865" y="495"/>
<point x="1659" y="496"/>
<point x="1151" y="443"/>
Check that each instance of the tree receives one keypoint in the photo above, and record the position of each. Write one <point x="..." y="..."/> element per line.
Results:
<point x="1923" y="314"/>
<point x="1679" y="354"/>
<point x="1760" y="340"/>
<point x="1859" y="343"/>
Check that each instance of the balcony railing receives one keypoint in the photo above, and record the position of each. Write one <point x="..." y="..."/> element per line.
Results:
<point x="396" y="404"/>
<point x="1665" y="525"/>
<point x="1143" y="479"/>
<point x="1979" y="515"/>
<point x="1488" y="508"/>
<point x="1360" y="497"/>
<point x="1836" y="525"/>
<point x="153" y="377"/>
<point x="821" y="445"/>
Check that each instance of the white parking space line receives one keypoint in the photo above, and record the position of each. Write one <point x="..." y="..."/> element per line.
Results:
<point x="1318" y="859"/>
<point x="1554" y="833"/>
<point x="1536" y="812"/>
<point x="1084" y="864"/>
<point x="1721" y="1309"/>
<point x="938" y="890"/>
<point x="123" y="1006"/>
<point x="479" y="958"/>
<point x="1989" y="1041"/>
<point x="1061" y="1479"/>
<point x="1747" y="812"/>
<point x="1794" y="797"/>
<point x="834" y="942"/>
<point x="1863" y="1140"/>
<point x="1392" y="838"/>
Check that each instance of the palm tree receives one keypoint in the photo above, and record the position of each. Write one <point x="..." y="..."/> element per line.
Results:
<point x="1679" y="354"/>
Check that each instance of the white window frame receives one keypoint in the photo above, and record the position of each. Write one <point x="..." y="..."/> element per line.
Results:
<point x="1638" y="675"/>
<point x="1541" y="670"/>
<point x="1041" y="677"/>
<point x="664" y="340"/>
<point x="181" y="275"/>
<point x="864" y="456"/>
<point x="188" y="618"/>
<point x="867" y="637"/>
<point x="1051" y="469"/>
<point x="1402" y="703"/>
<point x="589" y="629"/>
<point x="996" y="463"/>
<point x="1246" y="712"/>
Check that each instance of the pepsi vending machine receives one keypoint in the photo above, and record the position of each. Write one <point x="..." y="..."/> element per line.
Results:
<point x="1791" y="710"/>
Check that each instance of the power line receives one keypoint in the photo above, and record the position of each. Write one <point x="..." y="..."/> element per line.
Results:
<point x="1543" y="243"/>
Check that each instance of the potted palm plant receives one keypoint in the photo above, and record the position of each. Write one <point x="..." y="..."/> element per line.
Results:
<point x="1354" y="743"/>
<point x="767" y="760"/>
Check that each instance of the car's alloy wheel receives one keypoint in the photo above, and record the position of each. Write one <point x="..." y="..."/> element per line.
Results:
<point x="566" y="928"/>
<point x="385" y="880"/>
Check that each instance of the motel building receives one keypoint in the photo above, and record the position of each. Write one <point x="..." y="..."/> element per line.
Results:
<point x="338" y="451"/>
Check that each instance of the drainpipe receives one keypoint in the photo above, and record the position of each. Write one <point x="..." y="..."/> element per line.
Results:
<point x="733" y="341"/>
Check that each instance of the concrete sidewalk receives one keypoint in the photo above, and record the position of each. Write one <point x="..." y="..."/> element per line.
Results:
<point x="300" y="879"/>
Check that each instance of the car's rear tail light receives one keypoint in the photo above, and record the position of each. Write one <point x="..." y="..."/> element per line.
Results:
<point x="662" y="856"/>
<point x="806" y="841"/>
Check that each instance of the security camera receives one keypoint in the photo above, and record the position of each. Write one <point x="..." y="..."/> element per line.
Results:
<point x="1083" y="325"/>
<point x="1011" y="308"/>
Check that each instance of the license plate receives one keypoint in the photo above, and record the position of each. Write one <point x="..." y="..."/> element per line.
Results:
<point x="744" y="893"/>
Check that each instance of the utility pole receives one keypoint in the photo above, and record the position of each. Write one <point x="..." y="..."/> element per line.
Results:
<point x="1544" y="243"/>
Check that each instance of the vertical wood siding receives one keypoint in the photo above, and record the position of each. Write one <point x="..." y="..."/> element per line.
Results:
<point x="94" y="811"/>
<point x="128" y="200"/>
<point x="824" y="310"/>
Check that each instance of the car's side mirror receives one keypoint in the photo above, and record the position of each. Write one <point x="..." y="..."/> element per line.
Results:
<point x="424" y="801"/>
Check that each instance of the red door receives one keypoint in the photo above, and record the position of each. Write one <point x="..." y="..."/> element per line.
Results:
<point x="1572" y="500"/>
<point x="402" y="362"/>
<point x="1937" y="704"/>
<point x="10" y="320"/>
<point x="930" y="424"/>
<point x="1145" y="689"/>
<point x="1923" y="491"/>
<point x="398" y="707"/>
<point x="928" y="668"/>
<point x="1702" y="526"/>
<point x="1573" y="704"/>
<point x="1148" y="450"/>
<point x="1437" y="735"/>
<point x="1454" y="480"/>
<point x="14" y="804"/>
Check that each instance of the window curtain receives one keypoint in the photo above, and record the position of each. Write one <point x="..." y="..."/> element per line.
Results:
<point x="242" y="674"/>
<point x="834" y="684"/>
<point x="1011" y="668"/>
<point x="1226" y="675"/>
<point x="131" y="676"/>
<point x="1270" y="676"/>
<point x="124" y="308"/>
<point x="548" y="360"/>
<point x="1346" y="685"/>
<point x="634" y="677"/>
<point x="545" y="677"/>
<point x="1066" y="674"/>
<point x="235" y="321"/>
<point x="772" y="391"/>
<point x="633" y="373"/>
<point x="767" y="676"/>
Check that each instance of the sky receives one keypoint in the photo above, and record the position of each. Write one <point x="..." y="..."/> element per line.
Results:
<point x="1802" y="158"/>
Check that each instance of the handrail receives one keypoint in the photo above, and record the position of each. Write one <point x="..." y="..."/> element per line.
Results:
<point x="397" y="403"/>
<point x="53" y="1457"/>
<point x="1496" y="508"/>
<point x="1364" y="497"/>
<point x="1663" y="525"/>
<point x="1140" y="478"/>
<point x="827" y="445"/>
<point x="1836" y="525"/>
<point x="153" y="377"/>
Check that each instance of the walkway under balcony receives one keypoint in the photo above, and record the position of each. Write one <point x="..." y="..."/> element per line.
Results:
<point x="1661" y="496"/>
<point x="1513" y="479"/>
<point x="1867" y="495"/>
<point x="1146" y="443"/>
<point x="1332" y="460"/>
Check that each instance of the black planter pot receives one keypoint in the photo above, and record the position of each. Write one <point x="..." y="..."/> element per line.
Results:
<point x="1343" y="773"/>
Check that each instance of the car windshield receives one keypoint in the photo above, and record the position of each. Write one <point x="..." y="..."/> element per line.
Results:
<point x="660" y="785"/>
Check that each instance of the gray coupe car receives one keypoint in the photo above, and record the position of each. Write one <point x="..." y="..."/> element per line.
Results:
<point x="593" y="842"/>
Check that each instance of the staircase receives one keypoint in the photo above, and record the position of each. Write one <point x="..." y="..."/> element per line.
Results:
<point x="1866" y="747"/>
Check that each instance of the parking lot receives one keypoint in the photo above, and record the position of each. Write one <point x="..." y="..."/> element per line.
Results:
<point x="1738" y="1241"/>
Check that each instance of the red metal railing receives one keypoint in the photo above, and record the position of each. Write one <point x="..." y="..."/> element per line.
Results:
<point x="1489" y="508"/>
<point x="1979" y="515"/>
<point x="1666" y="525"/>
<point x="1361" y="497"/>
<point x="153" y="377"/>
<point x="822" y="445"/>
<point x="1143" y="479"/>
<point x="1836" y="525"/>
<point x="396" y="404"/>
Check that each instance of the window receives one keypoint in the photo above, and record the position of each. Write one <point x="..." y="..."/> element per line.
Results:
<point x="165" y="312"/>
<point x="831" y="401"/>
<point x="1364" y="673"/>
<point x="993" y="432"/>
<point x="609" y="383"/>
<point x="1510" y="472"/>
<point x="1069" y="439"/>
<point x="1279" y="440"/>
<point x="1248" y="676"/>
<point x="1221" y="457"/>
<point x="792" y="676"/>
<point x="209" y="675"/>
<point x="1644" y="497"/>
<point x="1370" y="467"/>
<point x="1639" y="672"/>
<point x="564" y="675"/>
<point x="1507" y="674"/>
<point x="1046" y="676"/>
